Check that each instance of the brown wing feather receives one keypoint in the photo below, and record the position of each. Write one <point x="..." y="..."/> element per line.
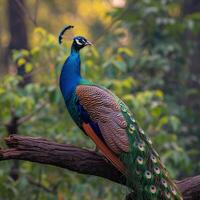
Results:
<point x="104" y="110"/>
<point x="108" y="153"/>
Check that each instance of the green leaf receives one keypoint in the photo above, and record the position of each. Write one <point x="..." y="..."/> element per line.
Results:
<point x="28" y="67"/>
<point x="125" y="50"/>
<point x="120" y="65"/>
<point x="21" y="62"/>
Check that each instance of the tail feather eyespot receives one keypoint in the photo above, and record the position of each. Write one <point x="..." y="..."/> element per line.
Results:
<point x="149" y="140"/>
<point x="153" y="189"/>
<point x="164" y="182"/>
<point x="157" y="170"/>
<point x="148" y="174"/>
<point x="173" y="191"/>
<point x="153" y="158"/>
<point x="140" y="160"/>
<point x="131" y="128"/>
<point x="168" y="195"/>
<point x="141" y="146"/>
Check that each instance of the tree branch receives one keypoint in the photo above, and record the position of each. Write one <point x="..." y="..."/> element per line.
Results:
<point x="83" y="161"/>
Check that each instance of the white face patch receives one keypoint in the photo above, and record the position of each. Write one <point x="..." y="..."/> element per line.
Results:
<point x="78" y="42"/>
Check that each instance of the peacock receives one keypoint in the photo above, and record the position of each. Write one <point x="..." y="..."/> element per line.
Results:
<point x="107" y="120"/>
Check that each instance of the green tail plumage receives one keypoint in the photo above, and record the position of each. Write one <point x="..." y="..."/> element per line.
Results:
<point x="146" y="174"/>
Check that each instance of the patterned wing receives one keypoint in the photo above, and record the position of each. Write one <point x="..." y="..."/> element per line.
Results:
<point x="104" y="110"/>
<point x="138" y="160"/>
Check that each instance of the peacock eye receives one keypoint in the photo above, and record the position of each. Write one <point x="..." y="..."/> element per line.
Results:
<point x="153" y="189"/>
<point x="173" y="190"/>
<point x="153" y="158"/>
<point x="148" y="174"/>
<point x="131" y="130"/>
<point x="164" y="182"/>
<point x="141" y="146"/>
<point x="132" y="127"/>
<point x="140" y="160"/>
<point x="168" y="195"/>
<point x="157" y="170"/>
<point x="149" y="140"/>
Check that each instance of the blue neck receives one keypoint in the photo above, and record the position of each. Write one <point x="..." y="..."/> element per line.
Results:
<point x="70" y="74"/>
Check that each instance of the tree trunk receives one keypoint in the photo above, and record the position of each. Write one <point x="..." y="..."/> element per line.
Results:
<point x="18" y="33"/>
<point x="18" y="40"/>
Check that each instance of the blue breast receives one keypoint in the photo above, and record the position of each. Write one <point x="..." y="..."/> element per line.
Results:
<point x="70" y="75"/>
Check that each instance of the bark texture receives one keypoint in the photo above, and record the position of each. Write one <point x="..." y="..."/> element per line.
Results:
<point x="83" y="161"/>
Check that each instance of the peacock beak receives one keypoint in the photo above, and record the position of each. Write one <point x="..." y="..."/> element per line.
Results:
<point x="88" y="43"/>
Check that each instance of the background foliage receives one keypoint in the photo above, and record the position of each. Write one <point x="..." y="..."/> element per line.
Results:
<point x="142" y="51"/>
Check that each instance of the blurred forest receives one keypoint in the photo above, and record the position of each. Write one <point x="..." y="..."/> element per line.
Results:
<point x="145" y="51"/>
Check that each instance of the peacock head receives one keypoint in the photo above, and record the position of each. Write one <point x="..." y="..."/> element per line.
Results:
<point x="79" y="42"/>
